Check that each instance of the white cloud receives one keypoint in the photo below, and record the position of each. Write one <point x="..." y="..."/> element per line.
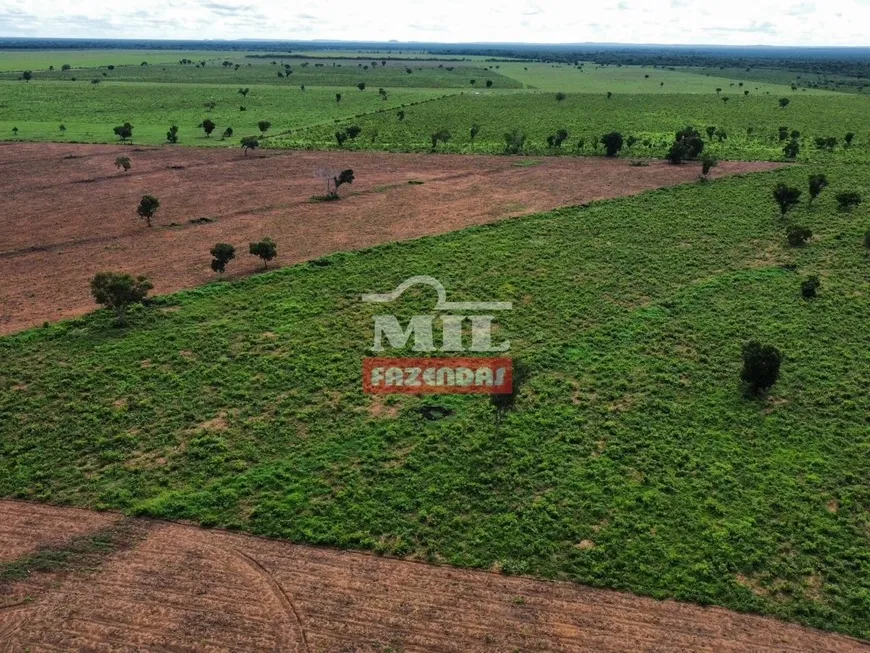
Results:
<point x="741" y="22"/>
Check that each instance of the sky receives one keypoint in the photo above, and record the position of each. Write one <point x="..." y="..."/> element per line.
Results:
<point x="736" y="22"/>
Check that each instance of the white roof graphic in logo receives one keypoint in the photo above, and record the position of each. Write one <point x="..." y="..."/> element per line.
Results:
<point x="443" y="304"/>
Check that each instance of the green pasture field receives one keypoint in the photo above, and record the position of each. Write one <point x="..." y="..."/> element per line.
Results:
<point x="40" y="60"/>
<point x="840" y="83"/>
<point x="240" y="405"/>
<point x="385" y="54"/>
<point x="651" y="119"/>
<point x="593" y="78"/>
<point x="89" y="112"/>
<point x="312" y="72"/>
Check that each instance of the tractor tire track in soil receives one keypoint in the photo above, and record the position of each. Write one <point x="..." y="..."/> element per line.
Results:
<point x="70" y="213"/>
<point x="182" y="588"/>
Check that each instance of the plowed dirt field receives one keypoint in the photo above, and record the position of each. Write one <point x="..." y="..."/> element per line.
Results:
<point x="69" y="212"/>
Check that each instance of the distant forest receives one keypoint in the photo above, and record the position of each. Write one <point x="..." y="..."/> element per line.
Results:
<point x="849" y="62"/>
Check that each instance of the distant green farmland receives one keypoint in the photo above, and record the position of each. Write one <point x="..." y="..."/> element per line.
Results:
<point x="292" y="72"/>
<point x="802" y="79"/>
<point x="593" y="78"/>
<point x="650" y="119"/>
<point x="40" y="60"/>
<point x="382" y="54"/>
<point x="89" y="112"/>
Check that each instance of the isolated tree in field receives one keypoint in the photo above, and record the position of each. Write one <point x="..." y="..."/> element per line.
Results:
<point x="124" y="131"/>
<point x="264" y="126"/>
<point x="441" y="136"/>
<point x="817" y="184"/>
<point x="15" y="131"/>
<point x="810" y="286"/>
<point x="473" y="82"/>
<point x="250" y="143"/>
<point x="228" y="133"/>
<point x="798" y="236"/>
<point x="361" y="86"/>
<point x="475" y="130"/>
<point x="826" y="143"/>
<point x="338" y="97"/>
<point x="340" y="138"/>
<point x="244" y="92"/>
<point x="118" y="292"/>
<point x="27" y="75"/>
<point x="761" y="365"/>
<point x="711" y="131"/>
<point x="848" y="200"/>
<point x="65" y="67"/>
<point x="787" y="197"/>
<point x="792" y="149"/>
<point x="850" y="136"/>
<point x="718" y="91"/>
<point x="172" y="134"/>
<point x="609" y="94"/>
<point x="344" y="177"/>
<point x="708" y="162"/>
<point x="489" y="83"/>
<point x="334" y="180"/>
<point x="124" y="163"/>
<point x="784" y="102"/>
<point x="208" y="127"/>
<point x="222" y="253"/>
<point x="353" y="131"/>
<point x="515" y="141"/>
<point x="560" y="96"/>
<point x="400" y="115"/>
<point x="687" y="145"/>
<point x="612" y="143"/>
<point x="783" y="133"/>
<point x="148" y="206"/>
<point x="266" y="249"/>
<point x="504" y="403"/>
<point x="556" y="140"/>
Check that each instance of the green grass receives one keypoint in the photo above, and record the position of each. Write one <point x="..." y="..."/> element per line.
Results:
<point x="89" y="112"/>
<point x="239" y="405"/>
<point x="802" y="79"/>
<point x="387" y="54"/>
<point x="40" y="60"/>
<point x="313" y="72"/>
<point x="652" y="119"/>
<point x="631" y="79"/>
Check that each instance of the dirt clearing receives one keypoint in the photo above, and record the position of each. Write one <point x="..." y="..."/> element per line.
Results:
<point x="181" y="588"/>
<point x="69" y="212"/>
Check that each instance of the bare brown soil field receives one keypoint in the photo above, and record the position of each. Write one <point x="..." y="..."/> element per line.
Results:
<point x="181" y="588"/>
<point x="70" y="213"/>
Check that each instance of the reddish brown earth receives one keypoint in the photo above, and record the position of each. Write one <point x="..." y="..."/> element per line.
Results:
<point x="181" y="588"/>
<point x="69" y="213"/>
